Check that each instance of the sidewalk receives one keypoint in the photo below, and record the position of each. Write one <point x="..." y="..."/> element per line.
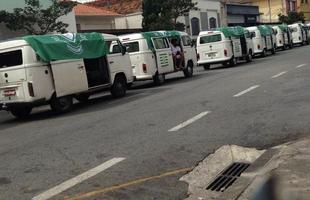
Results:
<point x="279" y="173"/>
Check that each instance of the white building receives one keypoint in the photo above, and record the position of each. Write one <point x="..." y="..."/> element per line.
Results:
<point x="5" y="33"/>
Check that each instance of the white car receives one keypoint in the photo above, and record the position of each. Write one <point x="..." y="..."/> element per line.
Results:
<point x="54" y="69"/>
<point x="151" y="54"/>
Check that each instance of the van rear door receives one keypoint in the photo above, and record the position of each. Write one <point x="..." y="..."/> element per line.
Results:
<point x="211" y="46"/>
<point x="69" y="77"/>
<point x="163" y="54"/>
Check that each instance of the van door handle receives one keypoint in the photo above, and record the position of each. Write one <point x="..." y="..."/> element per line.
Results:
<point x="111" y="62"/>
<point x="81" y="67"/>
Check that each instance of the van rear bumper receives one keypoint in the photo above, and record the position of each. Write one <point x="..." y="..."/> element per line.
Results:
<point x="8" y="105"/>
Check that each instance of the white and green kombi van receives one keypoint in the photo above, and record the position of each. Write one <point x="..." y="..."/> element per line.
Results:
<point x="299" y="34"/>
<point x="262" y="38"/>
<point x="225" y="46"/>
<point x="54" y="69"/>
<point x="283" y="37"/>
<point x="151" y="54"/>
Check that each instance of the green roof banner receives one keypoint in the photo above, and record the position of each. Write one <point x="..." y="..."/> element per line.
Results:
<point x="68" y="46"/>
<point x="283" y="27"/>
<point x="265" y="30"/>
<point x="235" y="31"/>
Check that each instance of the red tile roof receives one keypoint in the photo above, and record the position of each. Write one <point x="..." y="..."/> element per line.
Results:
<point x="86" y="10"/>
<point x="119" y="6"/>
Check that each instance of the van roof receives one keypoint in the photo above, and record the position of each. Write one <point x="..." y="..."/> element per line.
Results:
<point x="109" y="36"/>
<point x="137" y="36"/>
<point x="12" y="43"/>
<point x="209" y="32"/>
<point x="252" y="28"/>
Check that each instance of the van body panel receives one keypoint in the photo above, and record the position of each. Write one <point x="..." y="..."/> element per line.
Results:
<point x="297" y="35"/>
<point x="76" y="83"/>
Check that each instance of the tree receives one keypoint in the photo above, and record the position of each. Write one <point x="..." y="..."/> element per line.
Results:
<point x="35" y="19"/>
<point x="292" y="17"/>
<point x="163" y="14"/>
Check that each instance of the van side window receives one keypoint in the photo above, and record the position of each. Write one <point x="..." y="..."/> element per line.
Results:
<point x="186" y="41"/>
<point x="11" y="58"/>
<point x="210" y="39"/>
<point x="115" y="47"/>
<point x="160" y="43"/>
<point x="132" y="47"/>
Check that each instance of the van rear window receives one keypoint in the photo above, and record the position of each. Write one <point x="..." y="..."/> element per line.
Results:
<point x="132" y="47"/>
<point x="210" y="39"/>
<point x="11" y="58"/>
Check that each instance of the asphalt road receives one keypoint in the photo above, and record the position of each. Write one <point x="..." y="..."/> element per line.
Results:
<point x="260" y="104"/>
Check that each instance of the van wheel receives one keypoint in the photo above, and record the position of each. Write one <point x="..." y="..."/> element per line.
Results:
<point x="21" y="112"/>
<point x="273" y="51"/>
<point x="82" y="97"/>
<point x="189" y="70"/>
<point x="249" y="57"/>
<point x="233" y="62"/>
<point x="61" y="104"/>
<point x="119" y="87"/>
<point x="159" y="78"/>
<point x="206" y="66"/>
<point x="263" y="54"/>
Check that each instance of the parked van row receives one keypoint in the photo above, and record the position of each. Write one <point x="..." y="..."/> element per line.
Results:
<point x="228" y="45"/>
<point x="55" y="69"/>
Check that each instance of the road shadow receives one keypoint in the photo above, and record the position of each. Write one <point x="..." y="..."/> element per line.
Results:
<point x="99" y="102"/>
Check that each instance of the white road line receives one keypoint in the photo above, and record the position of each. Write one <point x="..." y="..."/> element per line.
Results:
<point x="278" y="75"/>
<point x="299" y="66"/>
<point x="247" y="90"/>
<point x="76" y="180"/>
<point x="190" y="121"/>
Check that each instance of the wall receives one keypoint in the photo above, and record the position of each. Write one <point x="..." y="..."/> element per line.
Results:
<point x="95" y="23"/>
<point x="277" y="7"/>
<point x="305" y="8"/>
<point x="131" y="21"/>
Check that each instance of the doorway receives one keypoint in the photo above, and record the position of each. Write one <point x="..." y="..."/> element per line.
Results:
<point x="97" y="71"/>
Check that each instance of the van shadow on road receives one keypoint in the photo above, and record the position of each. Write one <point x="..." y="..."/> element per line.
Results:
<point x="105" y="101"/>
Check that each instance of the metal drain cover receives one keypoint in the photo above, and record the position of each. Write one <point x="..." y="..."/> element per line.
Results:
<point x="228" y="177"/>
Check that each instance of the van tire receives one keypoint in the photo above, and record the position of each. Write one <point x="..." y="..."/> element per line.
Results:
<point x="61" y="104"/>
<point x="249" y="57"/>
<point x="21" y="112"/>
<point x="233" y="62"/>
<point x="159" y="79"/>
<point x="207" y="66"/>
<point x="273" y="51"/>
<point x="119" y="87"/>
<point x="82" y="97"/>
<point x="263" y="54"/>
<point x="189" y="70"/>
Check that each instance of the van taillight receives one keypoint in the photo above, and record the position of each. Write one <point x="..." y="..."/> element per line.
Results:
<point x="30" y="89"/>
<point x="258" y="46"/>
<point x="198" y="56"/>
<point x="144" y="67"/>
<point x="299" y="38"/>
<point x="225" y="52"/>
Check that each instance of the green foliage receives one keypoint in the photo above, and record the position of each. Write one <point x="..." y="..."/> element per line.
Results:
<point x="292" y="17"/>
<point x="163" y="14"/>
<point x="35" y="19"/>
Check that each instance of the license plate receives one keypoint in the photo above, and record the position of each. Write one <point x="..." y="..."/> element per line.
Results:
<point x="211" y="55"/>
<point x="9" y="93"/>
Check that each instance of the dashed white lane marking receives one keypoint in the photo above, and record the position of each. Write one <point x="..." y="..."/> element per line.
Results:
<point x="278" y="75"/>
<point x="247" y="90"/>
<point x="299" y="66"/>
<point x="76" y="180"/>
<point x="190" y="121"/>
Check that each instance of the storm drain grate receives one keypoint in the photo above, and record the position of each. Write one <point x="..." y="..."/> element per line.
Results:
<point x="228" y="177"/>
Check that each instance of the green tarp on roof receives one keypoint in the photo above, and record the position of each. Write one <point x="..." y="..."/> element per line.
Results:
<point x="283" y="27"/>
<point x="68" y="46"/>
<point x="155" y="34"/>
<point x="235" y="31"/>
<point x="265" y="30"/>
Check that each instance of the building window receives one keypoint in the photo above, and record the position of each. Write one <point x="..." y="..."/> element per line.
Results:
<point x="291" y="5"/>
<point x="195" y="26"/>
<point x="212" y="22"/>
